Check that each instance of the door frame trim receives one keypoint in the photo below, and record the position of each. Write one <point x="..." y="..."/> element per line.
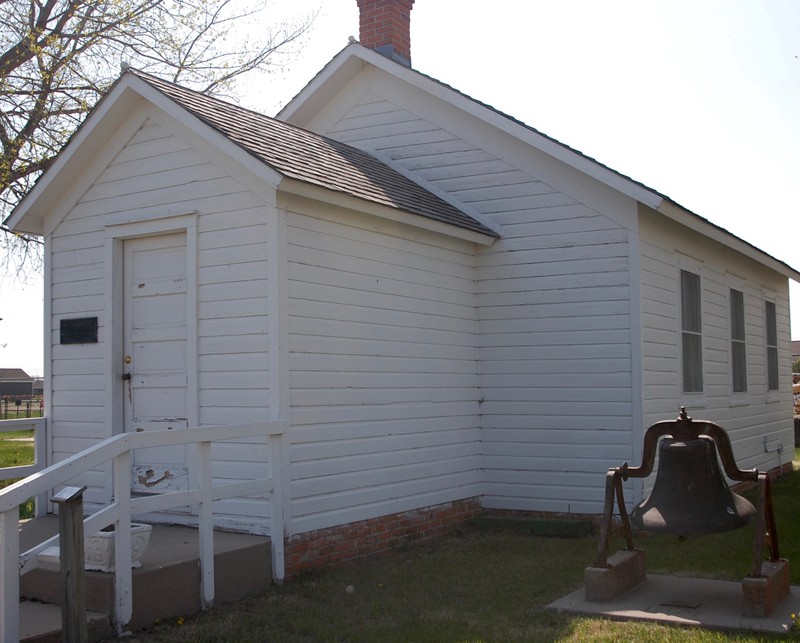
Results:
<point x="115" y="236"/>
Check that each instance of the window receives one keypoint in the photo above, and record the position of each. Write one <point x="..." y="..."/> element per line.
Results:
<point x="738" y="345"/>
<point x="691" y="333"/>
<point x="772" y="346"/>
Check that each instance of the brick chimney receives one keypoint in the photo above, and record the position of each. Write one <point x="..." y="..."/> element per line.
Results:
<point x="385" y="26"/>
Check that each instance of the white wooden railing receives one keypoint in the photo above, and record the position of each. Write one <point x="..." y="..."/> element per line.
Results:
<point x="117" y="450"/>
<point x="39" y="428"/>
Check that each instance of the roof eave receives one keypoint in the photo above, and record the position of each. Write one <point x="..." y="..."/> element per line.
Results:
<point x="350" y="60"/>
<point x="326" y="83"/>
<point x="29" y="214"/>
<point x="105" y="119"/>
<point x="705" y="227"/>
<point x="351" y="202"/>
<point x="353" y="57"/>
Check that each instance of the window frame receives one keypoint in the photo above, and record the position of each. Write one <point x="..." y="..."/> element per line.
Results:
<point x="686" y="319"/>
<point x="771" y="352"/>
<point x="738" y="340"/>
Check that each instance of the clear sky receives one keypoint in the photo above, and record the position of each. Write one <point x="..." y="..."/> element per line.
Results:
<point x="698" y="99"/>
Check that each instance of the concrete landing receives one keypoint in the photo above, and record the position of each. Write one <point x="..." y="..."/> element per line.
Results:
<point x="41" y="623"/>
<point x="165" y="586"/>
<point x="673" y="600"/>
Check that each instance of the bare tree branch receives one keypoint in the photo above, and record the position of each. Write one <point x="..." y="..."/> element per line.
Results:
<point x="57" y="57"/>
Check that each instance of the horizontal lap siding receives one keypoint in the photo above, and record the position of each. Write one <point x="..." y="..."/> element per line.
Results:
<point x="749" y="418"/>
<point x="158" y="171"/>
<point x="555" y="348"/>
<point x="383" y="369"/>
<point x="554" y="311"/>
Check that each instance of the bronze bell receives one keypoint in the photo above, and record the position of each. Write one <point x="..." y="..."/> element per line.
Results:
<point x="690" y="495"/>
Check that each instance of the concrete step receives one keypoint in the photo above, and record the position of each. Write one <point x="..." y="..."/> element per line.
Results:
<point x="41" y="623"/>
<point x="167" y="584"/>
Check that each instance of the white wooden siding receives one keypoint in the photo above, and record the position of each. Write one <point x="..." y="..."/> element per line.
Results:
<point x="751" y="418"/>
<point x="556" y="355"/>
<point x="157" y="172"/>
<point x="384" y="381"/>
<point x="553" y="308"/>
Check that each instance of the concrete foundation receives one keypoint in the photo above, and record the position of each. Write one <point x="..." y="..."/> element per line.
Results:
<point x="625" y="570"/>
<point x="675" y="600"/>
<point x="761" y="595"/>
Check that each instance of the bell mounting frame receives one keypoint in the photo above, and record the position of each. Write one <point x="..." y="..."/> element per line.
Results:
<point x="684" y="428"/>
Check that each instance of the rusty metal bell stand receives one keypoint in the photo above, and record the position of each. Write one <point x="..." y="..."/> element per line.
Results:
<point x="689" y="497"/>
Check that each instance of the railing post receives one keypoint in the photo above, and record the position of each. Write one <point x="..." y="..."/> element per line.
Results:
<point x="9" y="575"/>
<point x="277" y="524"/>
<point x="73" y="577"/>
<point x="205" y="520"/>
<point x="123" y="582"/>
<point x="40" y="458"/>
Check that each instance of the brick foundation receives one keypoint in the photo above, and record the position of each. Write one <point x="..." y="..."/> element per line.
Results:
<point x="761" y="595"/>
<point x="625" y="570"/>
<point x="345" y="543"/>
<point x="353" y="541"/>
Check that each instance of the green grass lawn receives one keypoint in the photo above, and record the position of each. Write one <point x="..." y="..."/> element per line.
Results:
<point x="15" y="452"/>
<point x="15" y="449"/>
<point x="480" y="585"/>
<point x="477" y="585"/>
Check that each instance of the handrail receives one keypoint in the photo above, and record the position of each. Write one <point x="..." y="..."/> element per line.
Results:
<point x="118" y="449"/>
<point x="41" y="481"/>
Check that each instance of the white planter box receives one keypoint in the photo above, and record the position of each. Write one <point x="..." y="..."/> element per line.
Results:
<point x="99" y="548"/>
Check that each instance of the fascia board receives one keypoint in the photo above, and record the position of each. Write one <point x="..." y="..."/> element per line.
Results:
<point x="213" y="141"/>
<point x="349" y="202"/>
<point x="343" y="67"/>
<point x="697" y="223"/>
<point x="558" y="151"/>
<point x="59" y="188"/>
<point x="354" y="57"/>
<point x="82" y="151"/>
<point x="320" y="89"/>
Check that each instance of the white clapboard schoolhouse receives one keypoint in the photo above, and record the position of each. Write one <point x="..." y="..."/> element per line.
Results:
<point x="452" y="312"/>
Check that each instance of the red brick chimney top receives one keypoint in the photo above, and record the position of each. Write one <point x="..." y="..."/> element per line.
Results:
<point x="385" y="26"/>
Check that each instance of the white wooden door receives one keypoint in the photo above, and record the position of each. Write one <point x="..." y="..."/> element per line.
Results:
<point x="155" y="355"/>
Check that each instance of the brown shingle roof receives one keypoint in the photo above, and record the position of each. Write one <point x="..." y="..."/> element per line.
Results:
<point x="305" y="156"/>
<point x="13" y="374"/>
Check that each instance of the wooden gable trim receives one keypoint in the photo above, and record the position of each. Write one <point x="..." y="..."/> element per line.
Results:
<point x="108" y="127"/>
<point x="323" y="88"/>
<point x="88" y="151"/>
<point x="341" y="69"/>
<point x="720" y="235"/>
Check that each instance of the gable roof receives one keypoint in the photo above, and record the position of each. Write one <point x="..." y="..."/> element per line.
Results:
<point x="14" y="374"/>
<point x="351" y="60"/>
<point x="311" y="158"/>
<point x="302" y="155"/>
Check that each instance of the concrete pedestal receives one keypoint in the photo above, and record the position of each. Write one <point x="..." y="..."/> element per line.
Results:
<point x="761" y="595"/>
<point x="625" y="570"/>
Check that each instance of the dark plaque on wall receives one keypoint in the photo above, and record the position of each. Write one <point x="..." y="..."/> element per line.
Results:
<point x="79" y="331"/>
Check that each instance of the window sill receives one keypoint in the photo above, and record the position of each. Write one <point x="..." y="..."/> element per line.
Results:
<point x="740" y="399"/>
